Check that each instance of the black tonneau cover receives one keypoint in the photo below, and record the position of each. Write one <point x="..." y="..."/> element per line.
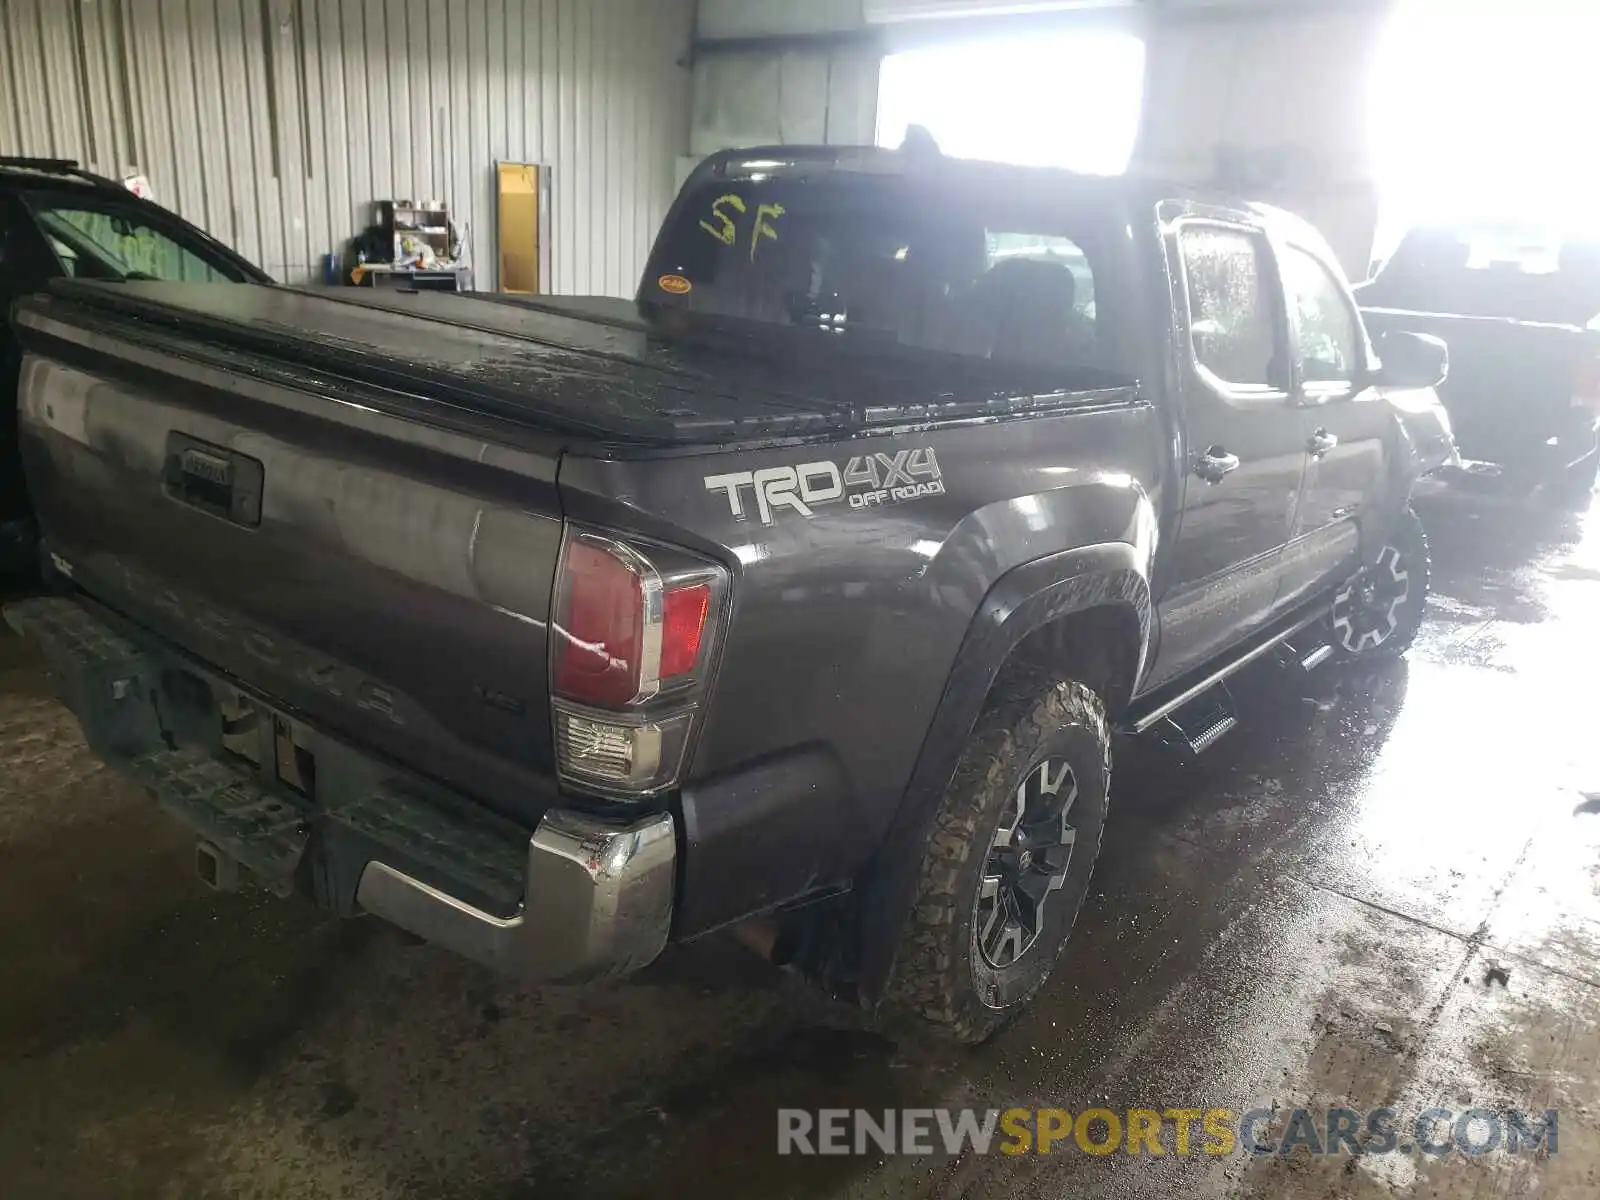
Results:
<point x="584" y="366"/>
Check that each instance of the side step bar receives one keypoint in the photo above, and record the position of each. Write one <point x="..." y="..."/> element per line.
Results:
<point x="1317" y="657"/>
<point x="1151" y="710"/>
<point x="1202" y="722"/>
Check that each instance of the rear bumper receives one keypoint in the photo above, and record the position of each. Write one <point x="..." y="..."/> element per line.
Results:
<point x="604" y="895"/>
<point x="579" y="898"/>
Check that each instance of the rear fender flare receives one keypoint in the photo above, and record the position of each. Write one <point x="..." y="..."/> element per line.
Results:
<point x="1021" y="602"/>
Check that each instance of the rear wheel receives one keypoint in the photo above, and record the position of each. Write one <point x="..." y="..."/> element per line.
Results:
<point x="1008" y="864"/>
<point x="1379" y="613"/>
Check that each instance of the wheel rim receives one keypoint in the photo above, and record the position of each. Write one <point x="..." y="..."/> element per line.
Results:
<point x="1367" y="612"/>
<point x="1026" y="863"/>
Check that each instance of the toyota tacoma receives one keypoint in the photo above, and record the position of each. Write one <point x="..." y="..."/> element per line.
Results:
<point x="802" y="594"/>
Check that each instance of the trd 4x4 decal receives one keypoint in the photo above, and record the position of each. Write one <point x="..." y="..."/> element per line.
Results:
<point x="866" y="481"/>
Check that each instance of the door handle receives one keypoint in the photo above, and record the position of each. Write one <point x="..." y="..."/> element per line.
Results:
<point x="1215" y="463"/>
<point x="1322" y="442"/>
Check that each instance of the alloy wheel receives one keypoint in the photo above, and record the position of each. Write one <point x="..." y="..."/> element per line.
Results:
<point x="1027" y="863"/>
<point x="1367" y="611"/>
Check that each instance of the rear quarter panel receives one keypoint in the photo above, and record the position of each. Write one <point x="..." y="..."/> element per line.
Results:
<point x="846" y="623"/>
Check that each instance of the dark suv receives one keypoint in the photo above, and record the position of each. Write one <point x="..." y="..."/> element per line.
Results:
<point x="59" y="221"/>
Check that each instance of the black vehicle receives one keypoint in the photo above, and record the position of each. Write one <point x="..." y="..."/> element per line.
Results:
<point x="808" y="591"/>
<point x="57" y="221"/>
<point x="1520" y="310"/>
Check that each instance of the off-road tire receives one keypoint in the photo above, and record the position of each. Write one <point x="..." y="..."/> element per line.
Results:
<point x="939" y="974"/>
<point x="1410" y="540"/>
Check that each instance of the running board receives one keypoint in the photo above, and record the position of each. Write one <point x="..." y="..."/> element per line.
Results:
<point x="1317" y="657"/>
<point x="1307" y="655"/>
<point x="1202" y="722"/>
<point x="1150" y="710"/>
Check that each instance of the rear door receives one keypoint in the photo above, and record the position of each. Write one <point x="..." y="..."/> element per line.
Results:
<point x="1346" y="424"/>
<point x="1244" y="452"/>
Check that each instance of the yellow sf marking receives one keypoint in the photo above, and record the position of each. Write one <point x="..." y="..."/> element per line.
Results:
<point x="763" y="228"/>
<point x="726" y="233"/>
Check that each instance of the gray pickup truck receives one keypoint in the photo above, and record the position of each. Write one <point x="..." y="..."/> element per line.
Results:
<point x="1520" y="310"/>
<point x="803" y="594"/>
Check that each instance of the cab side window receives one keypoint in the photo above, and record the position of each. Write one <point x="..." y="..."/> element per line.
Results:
<point x="1327" y="341"/>
<point x="1233" y="311"/>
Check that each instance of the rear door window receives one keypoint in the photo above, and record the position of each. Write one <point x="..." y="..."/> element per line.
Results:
<point x="1233" y="311"/>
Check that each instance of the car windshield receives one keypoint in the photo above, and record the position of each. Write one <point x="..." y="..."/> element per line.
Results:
<point x="108" y="242"/>
<point x="1493" y="270"/>
<point x="869" y="258"/>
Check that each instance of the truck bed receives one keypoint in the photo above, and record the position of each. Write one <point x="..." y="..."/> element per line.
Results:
<point x="582" y="368"/>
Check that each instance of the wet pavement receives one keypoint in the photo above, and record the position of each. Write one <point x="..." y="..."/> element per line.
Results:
<point x="1380" y="891"/>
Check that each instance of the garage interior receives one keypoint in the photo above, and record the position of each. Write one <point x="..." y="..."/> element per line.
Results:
<point x="1383" y="889"/>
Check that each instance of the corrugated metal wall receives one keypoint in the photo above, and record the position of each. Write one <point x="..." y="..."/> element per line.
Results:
<point x="762" y="98"/>
<point x="275" y="124"/>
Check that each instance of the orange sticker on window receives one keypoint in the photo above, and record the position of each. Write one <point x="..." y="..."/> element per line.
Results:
<point x="677" y="285"/>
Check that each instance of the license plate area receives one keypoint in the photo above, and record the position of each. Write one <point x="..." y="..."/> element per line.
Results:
<point x="271" y="744"/>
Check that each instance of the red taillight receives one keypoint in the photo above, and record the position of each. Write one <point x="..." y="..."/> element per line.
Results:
<point x="682" y="624"/>
<point x="627" y="626"/>
<point x="633" y="628"/>
<point x="600" y="627"/>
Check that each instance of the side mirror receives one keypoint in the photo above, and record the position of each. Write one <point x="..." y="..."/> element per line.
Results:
<point x="1411" y="360"/>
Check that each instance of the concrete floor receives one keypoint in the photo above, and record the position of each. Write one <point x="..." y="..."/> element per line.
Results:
<point x="1306" y="916"/>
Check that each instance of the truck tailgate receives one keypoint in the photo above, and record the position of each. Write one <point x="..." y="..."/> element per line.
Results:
<point x="389" y="579"/>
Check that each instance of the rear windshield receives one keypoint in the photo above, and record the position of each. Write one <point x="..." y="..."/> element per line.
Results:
<point x="870" y="259"/>
<point x="1493" y="270"/>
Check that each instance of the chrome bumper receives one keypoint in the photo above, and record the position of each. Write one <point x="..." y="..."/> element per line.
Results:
<point x="602" y="895"/>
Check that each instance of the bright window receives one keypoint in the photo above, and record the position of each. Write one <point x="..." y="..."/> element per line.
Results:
<point x="1060" y="100"/>
<point x="1484" y="112"/>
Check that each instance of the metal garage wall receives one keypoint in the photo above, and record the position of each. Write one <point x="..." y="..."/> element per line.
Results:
<point x="790" y="96"/>
<point x="275" y="124"/>
<point x="1270" y="100"/>
<point x="802" y="93"/>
